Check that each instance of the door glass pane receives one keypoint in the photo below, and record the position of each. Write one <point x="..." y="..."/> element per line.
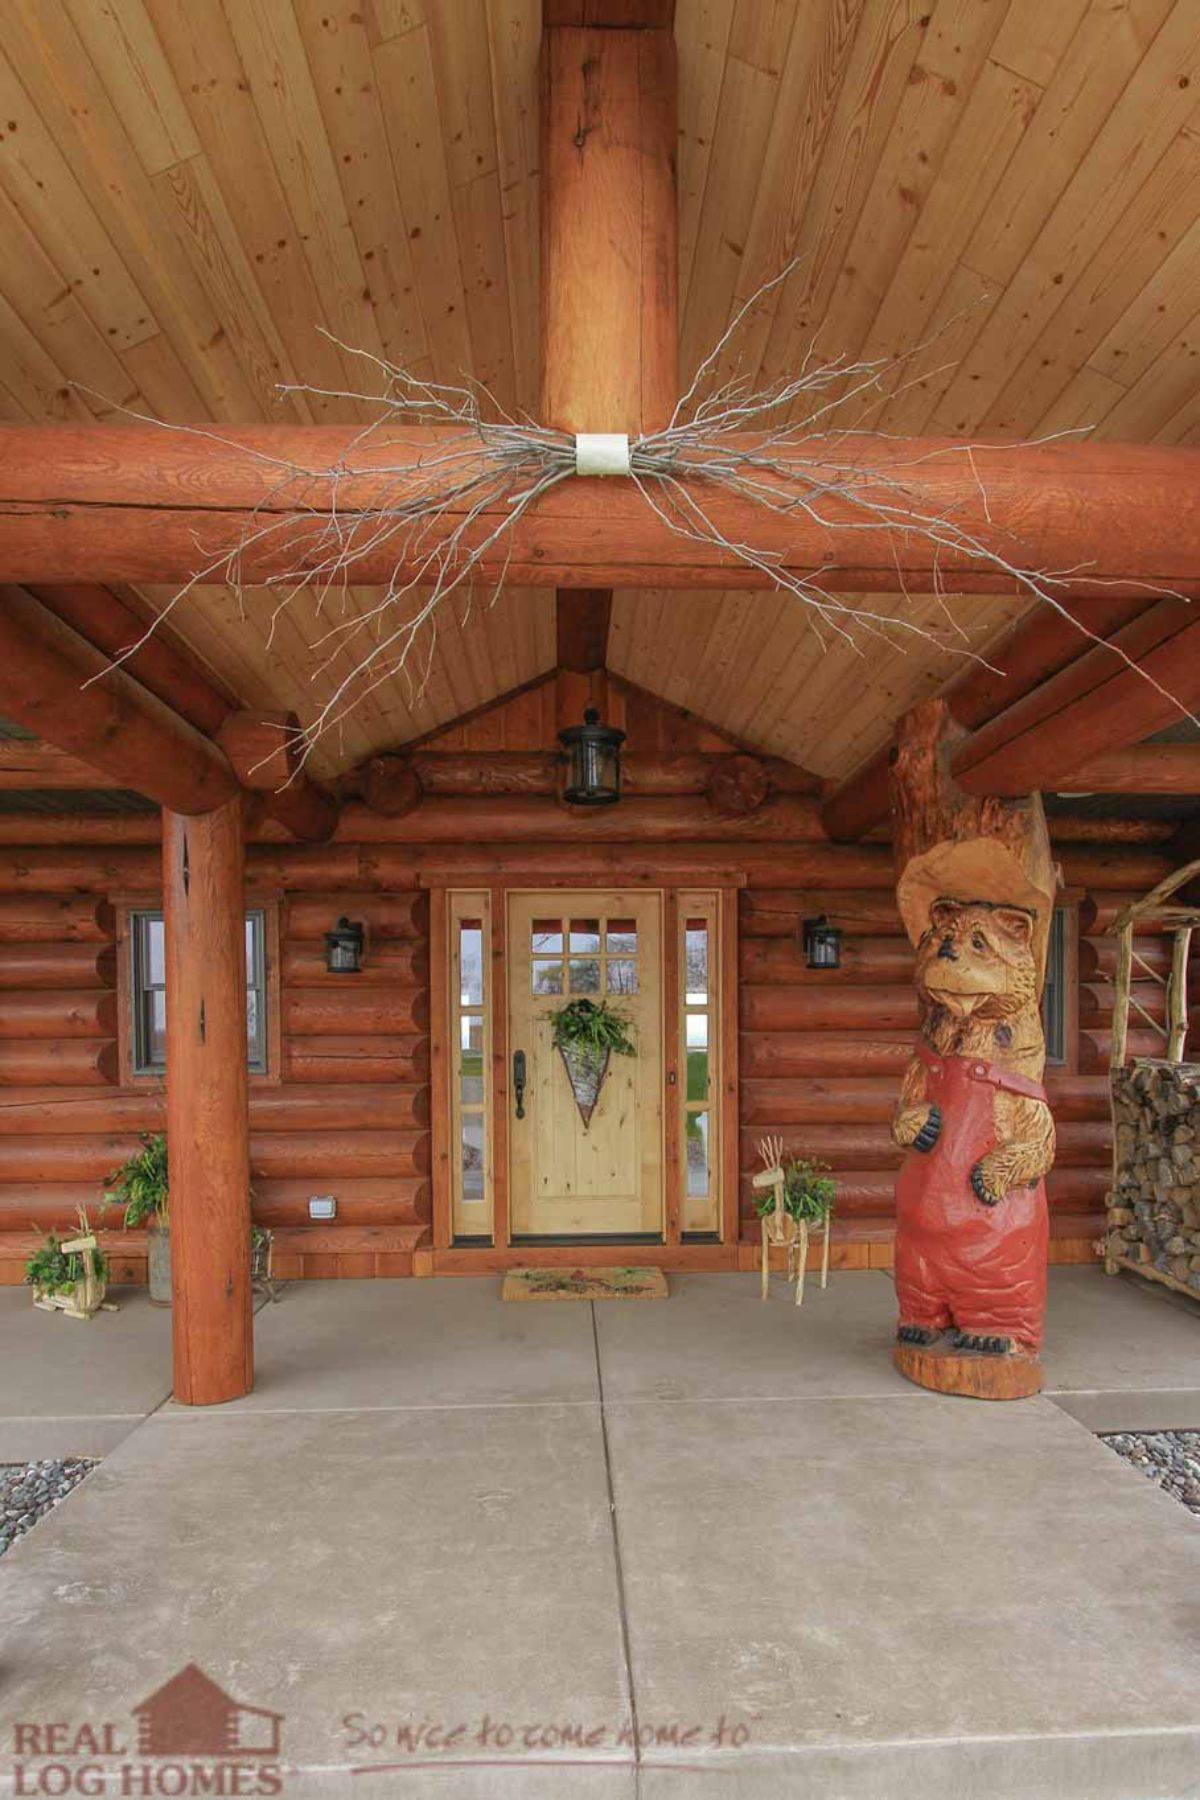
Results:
<point x="697" y="1074"/>
<point x="697" y="1154"/>
<point x="585" y="934"/>
<point x="472" y="1156"/>
<point x="547" y="937"/>
<point x="696" y="962"/>
<point x="585" y="975"/>
<point x="472" y="1038"/>
<point x="470" y="958"/>
<point x="697" y="1031"/>
<point x="471" y="1090"/>
<point x="622" y="975"/>
<point x="622" y="937"/>
<point x="548" y="977"/>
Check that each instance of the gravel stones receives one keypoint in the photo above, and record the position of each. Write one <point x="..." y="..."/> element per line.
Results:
<point x="1169" y="1458"/>
<point x="28" y="1490"/>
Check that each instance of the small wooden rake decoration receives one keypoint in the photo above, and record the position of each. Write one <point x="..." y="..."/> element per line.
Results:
<point x="780" y="1228"/>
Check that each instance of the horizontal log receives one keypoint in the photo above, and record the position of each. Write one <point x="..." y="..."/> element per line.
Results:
<point x="91" y="502"/>
<point x="780" y="913"/>
<point x="1084" y="828"/>
<point x="777" y="1054"/>
<point x="1099" y="869"/>
<point x="462" y="774"/>
<point x="1098" y="957"/>
<point x="30" y="763"/>
<point x="53" y="1205"/>
<point x="1080" y="1143"/>
<point x="1104" y="908"/>
<point x="1095" y="1048"/>
<point x="350" y="1011"/>
<point x="113" y="723"/>
<point x="46" y="1112"/>
<point x="55" y="919"/>
<point x="1140" y="769"/>
<point x="394" y="1200"/>
<point x="869" y="1099"/>
<point x="57" y="1062"/>
<point x="830" y="1008"/>
<point x="1097" y="998"/>
<point x="384" y="964"/>
<point x="356" y="1059"/>
<point x="815" y="867"/>
<point x="264" y="752"/>
<point x="402" y="916"/>
<point x="336" y="1246"/>
<point x="327" y="1156"/>
<point x="872" y="961"/>
<point x="48" y="966"/>
<point x="67" y="1014"/>
<point x="871" y="1194"/>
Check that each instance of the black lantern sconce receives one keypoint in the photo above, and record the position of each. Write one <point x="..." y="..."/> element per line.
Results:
<point x="593" y="761"/>
<point x="344" y="948"/>
<point x="822" y="943"/>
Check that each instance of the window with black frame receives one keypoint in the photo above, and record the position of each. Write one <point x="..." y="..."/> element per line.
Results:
<point x="149" y="997"/>
<point x="1055" y="993"/>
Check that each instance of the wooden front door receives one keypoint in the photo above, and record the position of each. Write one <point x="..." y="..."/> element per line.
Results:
<point x="568" y="1179"/>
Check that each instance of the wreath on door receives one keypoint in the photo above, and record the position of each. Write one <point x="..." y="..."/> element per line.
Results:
<point x="586" y="1033"/>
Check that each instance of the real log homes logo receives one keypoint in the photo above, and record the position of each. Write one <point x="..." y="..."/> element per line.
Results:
<point x="190" y="1737"/>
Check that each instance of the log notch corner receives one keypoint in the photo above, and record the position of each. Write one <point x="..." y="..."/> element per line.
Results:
<point x="971" y="1223"/>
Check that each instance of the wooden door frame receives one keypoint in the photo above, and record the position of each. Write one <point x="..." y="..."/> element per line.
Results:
<point x="441" y="1052"/>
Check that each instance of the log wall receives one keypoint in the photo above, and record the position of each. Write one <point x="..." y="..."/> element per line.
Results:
<point x="348" y="1114"/>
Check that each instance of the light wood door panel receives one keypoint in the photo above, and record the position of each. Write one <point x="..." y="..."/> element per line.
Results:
<point x="605" y="1178"/>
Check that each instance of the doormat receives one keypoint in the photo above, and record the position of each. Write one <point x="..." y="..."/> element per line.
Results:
<point x="584" y="1284"/>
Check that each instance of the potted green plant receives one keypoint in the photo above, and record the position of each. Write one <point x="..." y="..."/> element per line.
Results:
<point x="69" y="1274"/>
<point x="140" y="1186"/>
<point x="586" y="1033"/>
<point x="809" y="1190"/>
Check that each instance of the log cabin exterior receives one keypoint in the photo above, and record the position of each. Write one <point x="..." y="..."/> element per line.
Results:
<point x="759" y="775"/>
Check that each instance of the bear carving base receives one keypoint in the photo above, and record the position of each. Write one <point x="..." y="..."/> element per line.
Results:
<point x="947" y="1370"/>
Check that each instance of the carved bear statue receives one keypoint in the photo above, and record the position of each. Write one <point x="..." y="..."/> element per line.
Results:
<point x="971" y="1229"/>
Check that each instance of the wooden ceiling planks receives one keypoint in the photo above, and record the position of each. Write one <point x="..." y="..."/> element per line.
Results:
<point x="187" y="194"/>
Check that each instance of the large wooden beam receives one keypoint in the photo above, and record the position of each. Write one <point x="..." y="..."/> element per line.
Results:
<point x="1095" y="704"/>
<point x="207" y="1115"/>
<point x="114" y="724"/>
<point x="29" y="763"/>
<point x="117" y="502"/>
<point x="1038" y="647"/>
<point x="263" y="749"/>
<point x="1139" y="769"/>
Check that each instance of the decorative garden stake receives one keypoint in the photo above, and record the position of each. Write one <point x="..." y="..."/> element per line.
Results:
<point x="971" y="1225"/>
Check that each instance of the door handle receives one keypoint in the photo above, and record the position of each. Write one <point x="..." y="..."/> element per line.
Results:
<point x="519" y="1081"/>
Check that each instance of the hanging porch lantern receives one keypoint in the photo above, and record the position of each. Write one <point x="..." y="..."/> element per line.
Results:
<point x="822" y="943"/>
<point x="344" y="948"/>
<point x="593" y="761"/>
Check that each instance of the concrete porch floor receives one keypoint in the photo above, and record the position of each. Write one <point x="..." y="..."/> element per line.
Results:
<point x="731" y="1525"/>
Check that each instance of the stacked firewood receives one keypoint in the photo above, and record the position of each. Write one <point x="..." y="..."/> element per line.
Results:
<point x="1154" y="1207"/>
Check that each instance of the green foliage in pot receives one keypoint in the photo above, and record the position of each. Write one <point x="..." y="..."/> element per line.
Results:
<point x="141" y="1184"/>
<point x="53" y="1271"/>
<point x="592" y="1029"/>
<point x="808" y="1191"/>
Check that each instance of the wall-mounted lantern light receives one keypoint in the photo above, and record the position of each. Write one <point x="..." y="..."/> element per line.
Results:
<point x="344" y="948"/>
<point x="822" y="943"/>
<point x="593" y="761"/>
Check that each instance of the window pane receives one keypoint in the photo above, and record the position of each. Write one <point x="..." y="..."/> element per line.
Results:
<point x="585" y="934"/>
<point x="471" y="1090"/>
<point x="152" y="1050"/>
<point x="695" y="955"/>
<point x="547" y="938"/>
<point x="622" y="975"/>
<point x="697" y="1074"/>
<point x="1054" y="994"/>
<point x="697" y="1031"/>
<point x="622" y="937"/>
<point x="471" y="1037"/>
<point x="470" y="957"/>
<point x="154" y="972"/>
<point x="548" y="977"/>
<point x="585" y="975"/>
<point x="472" y="1156"/>
<point x="697" y="1154"/>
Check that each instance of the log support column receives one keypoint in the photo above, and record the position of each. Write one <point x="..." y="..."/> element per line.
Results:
<point x="207" y="1121"/>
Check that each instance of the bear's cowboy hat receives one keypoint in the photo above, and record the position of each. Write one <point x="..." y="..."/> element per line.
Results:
<point x="978" y="868"/>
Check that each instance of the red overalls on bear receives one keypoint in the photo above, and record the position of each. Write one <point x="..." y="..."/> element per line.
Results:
<point x="959" y="1262"/>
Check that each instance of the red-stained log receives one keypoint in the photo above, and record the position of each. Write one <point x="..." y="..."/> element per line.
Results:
<point x="830" y="1008"/>
<point x="48" y="966"/>
<point x="398" y="964"/>
<point x="356" y="1059"/>
<point x="89" y="1013"/>
<point x="53" y="1111"/>
<point x="402" y="916"/>
<point x="800" y="1055"/>
<point x="325" y="1156"/>
<point x="864" y="961"/>
<point x="55" y="919"/>
<point x="871" y="1099"/>
<point x="58" y="1062"/>
<point x="114" y="723"/>
<point x="1080" y="1143"/>
<point x="393" y="1200"/>
<point x="264" y="751"/>
<point x="349" y="1011"/>
<point x="778" y="913"/>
